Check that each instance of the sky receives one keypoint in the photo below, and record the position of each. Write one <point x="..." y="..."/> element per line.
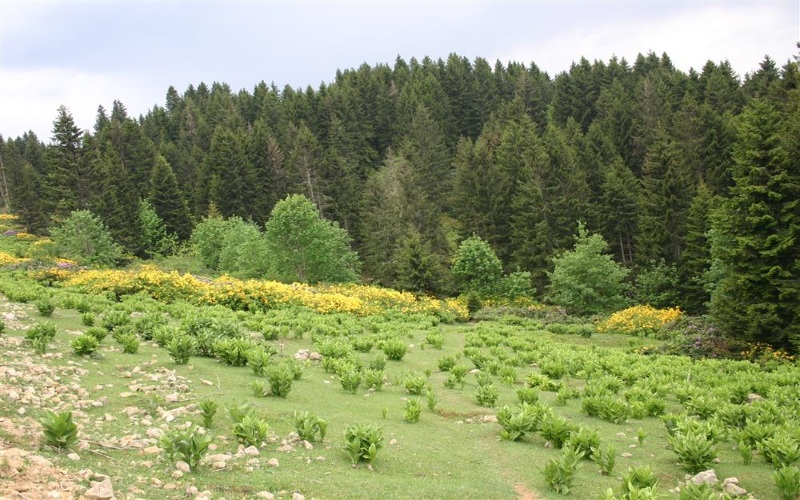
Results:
<point x="83" y="54"/>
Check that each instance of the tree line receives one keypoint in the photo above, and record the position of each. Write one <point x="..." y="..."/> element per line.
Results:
<point x="690" y="178"/>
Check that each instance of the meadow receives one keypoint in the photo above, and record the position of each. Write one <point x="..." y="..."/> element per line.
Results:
<point x="180" y="385"/>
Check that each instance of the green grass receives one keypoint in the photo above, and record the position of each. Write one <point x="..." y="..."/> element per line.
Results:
<point x="451" y="453"/>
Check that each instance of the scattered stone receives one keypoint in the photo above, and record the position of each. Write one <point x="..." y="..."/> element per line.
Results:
<point x="752" y="398"/>
<point x="171" y="398"/>
<point x="621" y="434"/>
<point x="734" y="490"/>
<point x="156" y="482"/>
<point x="182" y="466"/>
<point x="74" y="457"/>
<point x="219" y="465"/>
<point x="192" y="491"/>
<point x="266" y="495"/>
<point x="100" y="490"/>
<point x="708" y="477"/>
<point x="251" y="451"/>
<point x="151" y="450"/>
<point x="393" y="441"/>
<point x="626" y="455"/>
<point x="297" y="496"/>
<point x="285" y="448"/>
<point x="306" y="445"/>
<point x="176" y="474"/>
<point x="147" y="464"/>
<point x="315" y="356"/>
<point x="273" y="462"/>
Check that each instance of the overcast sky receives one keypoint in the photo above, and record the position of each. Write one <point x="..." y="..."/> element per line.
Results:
<point x="84" y="54"/>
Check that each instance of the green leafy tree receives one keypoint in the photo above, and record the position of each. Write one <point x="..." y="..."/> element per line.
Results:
<point x="305" y="247"/>
<point x="585" y="280"/>
<point x="476" y="268"/>
<point x="207" y="239"/>
<point x="755" y="234"/>
<point x="155" y="239"/>
<point x="84" y="238"/>
<point x="244" y="252"/>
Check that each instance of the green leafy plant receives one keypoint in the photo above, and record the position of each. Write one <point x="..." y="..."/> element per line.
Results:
<point x="446" y="363"/>
<point x="233" y="351"/>
<point x="641" y="434"/>
<point x="237" y="412"/>
<point x="189" y="445"/>
<point x="605" y="457"/>
<point x="181" y="348"/>
<point x="362" y="442"/>
<point x="45" y="306"/>
<point x="350" y="379"/>
<point x="208" y="409"/>
<point x="97" y="332"/>
<point x="638" y="478"/>
<point x="394" y="349"/>
<point x="584" y="440"/>
<point x="378" y="362"/>
<point x="259" y="390"/>
<point x="787" y="480"/>
<point x="528" y="395"/>
<point x="280" y="379"/>
<point x="780" y="450"/>
<point x="414" y="383"/>
<point x="374" y="379"/>
<point x="258" y="359"/>
<point x="115" y="318"/>
<point x="308" y="425"/>
<point x="555" y="429"/>
<point x="431" y="399"/>
<point x="40" y="336"/>
<point x="519" y="420"/>
<point x="413" y="408"/>
<point x="129" y="343"/>
<point x="147" y="325"/>
<point x="745" y="452"/>
<point x="487" y="395"/>
<point x="84" y="345"/>
<point x="696" y="452"/>
<point x="559" y="473"/>
<point x="250" y="431"/>
<point x="435" y="340"/>
<point x="59" y="429"/>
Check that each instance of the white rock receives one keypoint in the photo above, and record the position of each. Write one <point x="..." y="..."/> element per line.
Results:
<point x="219" y="465"/>
<point x="176" y="474"/>
<point x="251" y="451"/>
<point x="100" y="491"/>
<point x="297" y="496"/>
<point x="74" y="457"/>
<point x="182" y="466"/>
<point x="266" y="495"/>
<point x="708" y="477"/>
<point x="273" y="462"/>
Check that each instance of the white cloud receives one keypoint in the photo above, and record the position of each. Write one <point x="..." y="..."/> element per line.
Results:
<point x="30" y="99"/>
<point x="742" y="33"/>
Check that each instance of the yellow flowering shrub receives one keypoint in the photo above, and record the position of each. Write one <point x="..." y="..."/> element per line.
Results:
<point x="8" y="217"/>
<point x="640" y="320"/>
<point x="762" y="353"/>
<point x="7" y="259"/>
<point x="259" y="295"/>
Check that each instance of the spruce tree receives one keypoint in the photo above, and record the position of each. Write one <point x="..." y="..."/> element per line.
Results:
<point x="167" y="200"/>
<point x="64" y="165"/>
<point x="755" y="234"/>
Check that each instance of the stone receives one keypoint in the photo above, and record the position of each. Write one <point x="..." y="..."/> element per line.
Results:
<point x="176" y="474"/>
<point x="219" y="465"/>
<point x="307" y="445"/>
<point x="74" y="457"/>
<point x="182" y="466"/>
<point x="752" y="398"/>
<point x="251" y="451"/>
<point x="626" y="455"/>
<point x="266" y="495"/>
<point x="273" y="462"/>
<point x="285" y="448"/>
<point x="708" y="477"/>
<point x="151" y="450"/>
<point x="100" y="490"/>
<point x="734" y="490"/>
<point x="297" y="496"/>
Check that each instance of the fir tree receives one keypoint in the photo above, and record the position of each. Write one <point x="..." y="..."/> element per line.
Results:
<point x="167" y="200"/>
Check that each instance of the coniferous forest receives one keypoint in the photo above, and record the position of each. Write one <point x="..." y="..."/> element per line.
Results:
<point x="692" y="179"/>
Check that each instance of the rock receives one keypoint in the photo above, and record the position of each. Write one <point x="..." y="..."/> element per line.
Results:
<point x="307" y="445"/>
<point x="315" y="356"/>
<point x="273" y="462"/>
<point x="100" y="490"/>
<point x="708" y="477"/>
<point x="734" y="490"/>
<point x="219" y="465"/>
<point x="752" y="398"/>
<point x="393" y="441"/>
<point x="297" y="496"/>
<point x="154" y="432"/>
<point x="182" y="466"/>
<point x="176" y="474"/>
<point x="147" y="464"/>
<point x="730" y="480"/>
<point x="285" y="448"/>
<point x="251" y="451"/>
<point x="220" y="457"/>
<point x="625" y="455"/>
<point x="171" y="398"/>
<point x="13" y="395"/>
<point x="74" y="457"/>
<point x="151" y="450"/>
<point x="266" y="495"/>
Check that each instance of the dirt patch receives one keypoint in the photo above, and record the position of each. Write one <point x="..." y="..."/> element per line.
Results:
<point x="27" y="475"/>
<point x="523" y="493"/>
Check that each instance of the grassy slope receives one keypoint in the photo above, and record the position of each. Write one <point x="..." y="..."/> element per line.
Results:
<point x="443" y="456"/>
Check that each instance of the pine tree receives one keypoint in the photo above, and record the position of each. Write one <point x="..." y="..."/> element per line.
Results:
<point x="64" y="181"/>
<point x="167" y="200"/>
<point x="620" y="209"/>
<point x="232" y="179"/>
<point x="755" y="235"/>
<point x="695" y="261"/>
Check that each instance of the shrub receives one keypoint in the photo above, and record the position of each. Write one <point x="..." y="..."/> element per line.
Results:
<point x="446" y="363"/>
<point x="258" y="359"/>
<point x="435" y="339"/>
<point x="487" y="395"/>
<point x="555" y="429"/>
<point x="696" y="452"/>
<point x="59" y="429"/>
<point x="129" y="343"/>
<point x="233" y="351"/>
<point x="413" y="408"/>
<point x="350" y="379"/>
<point x="560" y="472"/>
<point x="189" y="445"/>
<point x="84" y="345"/>
<point x="414" y="383"/>
<point x="237" y="412"/>
<point x="83" y="237"/>
<point x="308" y="425"/>
<point x="114" y="319"/>
<point x="640" y="320"/>
<point x="787" y="480"/>
<point x="394" y="349"/>
<point x="147" y="325"/>
<point x="780" y="450"/>
<point x="584" y="440"/>
<point x="528" y="395"/>
<point x="250" y="431"/>
<point x="476" y="268"/>
<point x="519" y="420"/>
<point x="208" y="408"/>
<point x="97" y="332"/>
<point x="586" y="281"/>
<point x="638" y="478"/>
<point x="88" y="319"/>
<point x="45" y="306"/>
<point x="373" y="379"/>
<point x="362" y="442"/>
<point x="378" y="362"/>
<point x="181" y="348"/>
<point x="605" y="458"/>
<point x="280" y="379"/>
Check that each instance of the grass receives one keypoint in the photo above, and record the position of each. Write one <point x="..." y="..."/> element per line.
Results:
<point x="450" y="453"/>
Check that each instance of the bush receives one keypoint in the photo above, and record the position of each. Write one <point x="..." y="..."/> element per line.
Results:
<point x="59" y="429"/>
<point x="476" y="267"/>
<point x="189" y="445"/>
<point x="362" y="442"/>
<point x="250" y="431"/>
<point x="280" y="379"/>
<point x="129" y="342"/>
<point x="85" y="345"/>
<point x="413" y="408"/>
<point x="208" y="408"/>
<point x="586" y="281"/>
<point x="696" y="452"/>
<point x="181" y="348"/>
<point x="308" y="425"/>
<point x="394" y="349"/>
<point x="84" y="238"/>
<point x="45" y="306"/>
<point x="560" y="472"/>
<point x="787" y="480"/>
